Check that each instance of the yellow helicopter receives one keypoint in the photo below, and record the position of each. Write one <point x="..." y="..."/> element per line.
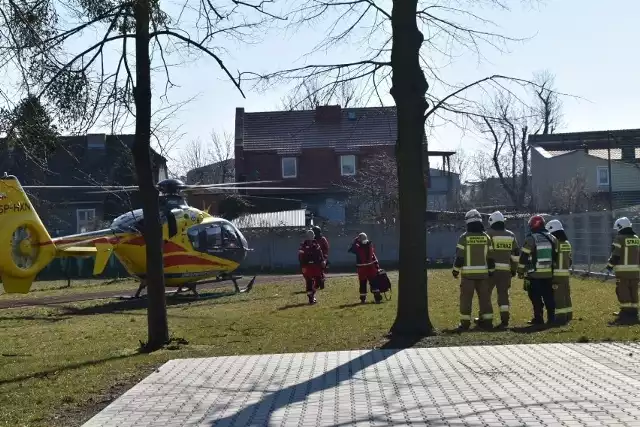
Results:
<point x="198" y="248"/>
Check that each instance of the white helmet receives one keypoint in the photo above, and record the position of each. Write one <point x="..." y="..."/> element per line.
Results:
<point x="362" y="237"/>
<point x="472" y="216"/>
<point x="496" y="217"/>
<point x="554" y="225"/>
<point x="622" y="223"/>
<point x="310" y="235"/>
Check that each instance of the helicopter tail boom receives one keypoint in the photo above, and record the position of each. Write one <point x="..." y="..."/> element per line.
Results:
<point x="25" y="245"/>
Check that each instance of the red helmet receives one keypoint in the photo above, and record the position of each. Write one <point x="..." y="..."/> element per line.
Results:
<point x="536" y="222"/>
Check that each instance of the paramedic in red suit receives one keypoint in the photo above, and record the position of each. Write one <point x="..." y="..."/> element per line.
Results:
<point x="324" y="245"/>
<point x="367" y="266"/>
<point x="312" y="263"/>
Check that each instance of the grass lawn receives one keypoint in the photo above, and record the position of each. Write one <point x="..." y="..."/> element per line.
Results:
<point x="61" y="364"/>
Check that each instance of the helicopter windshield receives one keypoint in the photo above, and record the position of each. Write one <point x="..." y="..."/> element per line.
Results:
<point x="214" y="237"/>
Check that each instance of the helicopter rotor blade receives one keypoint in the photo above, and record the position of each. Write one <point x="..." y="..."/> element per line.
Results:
<point x="255" y="188"/>
<point x="225" y="184"/>
<point x="81" y="187"/>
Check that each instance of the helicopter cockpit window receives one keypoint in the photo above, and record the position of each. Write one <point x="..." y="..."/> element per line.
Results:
<point x="229" y="237"/>
<point x="206" y="238"/>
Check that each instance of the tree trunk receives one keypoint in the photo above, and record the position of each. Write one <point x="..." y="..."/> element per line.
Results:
<point x="158" y="329"/>
<point x="408" y="91"/>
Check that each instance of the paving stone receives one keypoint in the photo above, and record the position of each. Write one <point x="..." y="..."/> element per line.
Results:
<point x="514" y="385"/>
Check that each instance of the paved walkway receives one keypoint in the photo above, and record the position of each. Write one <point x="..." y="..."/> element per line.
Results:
<point x="516" y="385"/>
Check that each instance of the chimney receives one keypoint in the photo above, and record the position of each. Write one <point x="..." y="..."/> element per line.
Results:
<point x="239" y="145"/>
<point x="328" y="113"/>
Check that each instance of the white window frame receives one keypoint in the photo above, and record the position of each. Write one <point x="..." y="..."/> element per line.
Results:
<point x="342" y="164"/>
<point x="295" y="167"/>
<point x="598" y="182"/>
<point x="80" y="222"/>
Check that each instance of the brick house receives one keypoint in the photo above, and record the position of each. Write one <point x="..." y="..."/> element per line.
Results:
<point x="319" y="148"/>
<point x="94" y="159"/>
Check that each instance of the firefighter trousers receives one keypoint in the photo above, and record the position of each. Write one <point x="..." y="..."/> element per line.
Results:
<point x="501" y="281"/>
<point x="562" y="298"/>
<point x="627" y="293"/>
<point x="541" y="295"/>
<point x="481" y="287"/>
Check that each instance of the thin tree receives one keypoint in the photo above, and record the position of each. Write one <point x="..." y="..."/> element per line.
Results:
<point x="310" y="94"/>
<point x="215" y="154"/>
<point x="40" y="37"/>
<point x="507" y="122"/>
<point x="396" y="55"/>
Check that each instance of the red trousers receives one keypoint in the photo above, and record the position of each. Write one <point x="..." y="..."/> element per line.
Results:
<point x="367" y="272"/>
<point x="313" y="275"/>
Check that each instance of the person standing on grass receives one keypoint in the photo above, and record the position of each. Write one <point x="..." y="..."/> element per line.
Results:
<point x="507" y="252"/>
<point x="537" y="259"/>
<point x="324" y="245"/>
<point x="624" y="260"/>
<point x="367" y="267"/>
<point x="561" y="289"/>
<point x="475" y="264"/>
<point x="312" y="263"/>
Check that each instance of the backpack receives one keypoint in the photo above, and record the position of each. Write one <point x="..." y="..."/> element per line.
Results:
<point x="383" y="283"/>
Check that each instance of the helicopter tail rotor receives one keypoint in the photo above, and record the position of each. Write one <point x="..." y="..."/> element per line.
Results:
<point x="25" y="245"/>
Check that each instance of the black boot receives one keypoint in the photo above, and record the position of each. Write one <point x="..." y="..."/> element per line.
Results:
<point x="321" y="284"/>
<point x="463" y="326"/>
<point x="536" y="321"/>
<point x="485" y="325"/>
<point x="312" y="299"/>
<point x="363" y="299"/>
<point x="377" y="297"/>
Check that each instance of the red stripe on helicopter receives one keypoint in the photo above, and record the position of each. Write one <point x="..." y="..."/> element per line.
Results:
<point x="168" y="247"/>
<point x="178" y="260"/>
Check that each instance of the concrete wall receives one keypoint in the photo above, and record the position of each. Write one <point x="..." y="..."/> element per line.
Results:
<point x="279" y="250"/>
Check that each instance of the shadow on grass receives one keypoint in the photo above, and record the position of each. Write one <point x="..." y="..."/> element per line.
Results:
<point x="51" y="319"/>
<point x="134" y="304"/>
<point x="54" y="371"/>
<point x="290" y="306"/>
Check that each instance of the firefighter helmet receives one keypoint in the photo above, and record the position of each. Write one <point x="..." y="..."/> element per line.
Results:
<point x="536" y="222"/>
<point x="554" y="225"/>
<point x="310" y="235"/>
<point x="496" y="217"/>
<point x="472" y="216"/>
<point x="621" y="223"/>
<point x="362" y="237"/>
<point x="316" y="229"/>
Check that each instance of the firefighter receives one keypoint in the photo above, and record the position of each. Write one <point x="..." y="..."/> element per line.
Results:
<point x="561" y="288"/>
<point x="367" y="266"/>
<point x="474" y="263"/>
<point x="312" y="264"/>
<point x="625" y="254"/>
<point x="324" y="245"/>
<point x="537" y="258"/>
<point x="506" y="255"/>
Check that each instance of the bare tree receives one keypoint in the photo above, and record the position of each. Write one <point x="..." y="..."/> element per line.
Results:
<point x="569" y="196"/>
<point x="507" y="122"/>
<point x="310" y="94"/>
<point x="214" y="156"/>
<point x="373" y="191"/>
<point x="399" y="64"/>
<point x="50" y="43"/>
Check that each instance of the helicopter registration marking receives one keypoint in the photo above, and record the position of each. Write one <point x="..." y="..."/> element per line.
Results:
<point x="15" y="207"/>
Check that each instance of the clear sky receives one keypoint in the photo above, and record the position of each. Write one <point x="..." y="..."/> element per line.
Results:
<point x="590" y="46"/>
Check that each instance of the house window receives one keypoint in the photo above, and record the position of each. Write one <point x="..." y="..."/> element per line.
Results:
<point x="603" y="176"/>
<point x="348" y="165"/>
<point x="85" y="220"/>
<point x="289" y="167"/>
